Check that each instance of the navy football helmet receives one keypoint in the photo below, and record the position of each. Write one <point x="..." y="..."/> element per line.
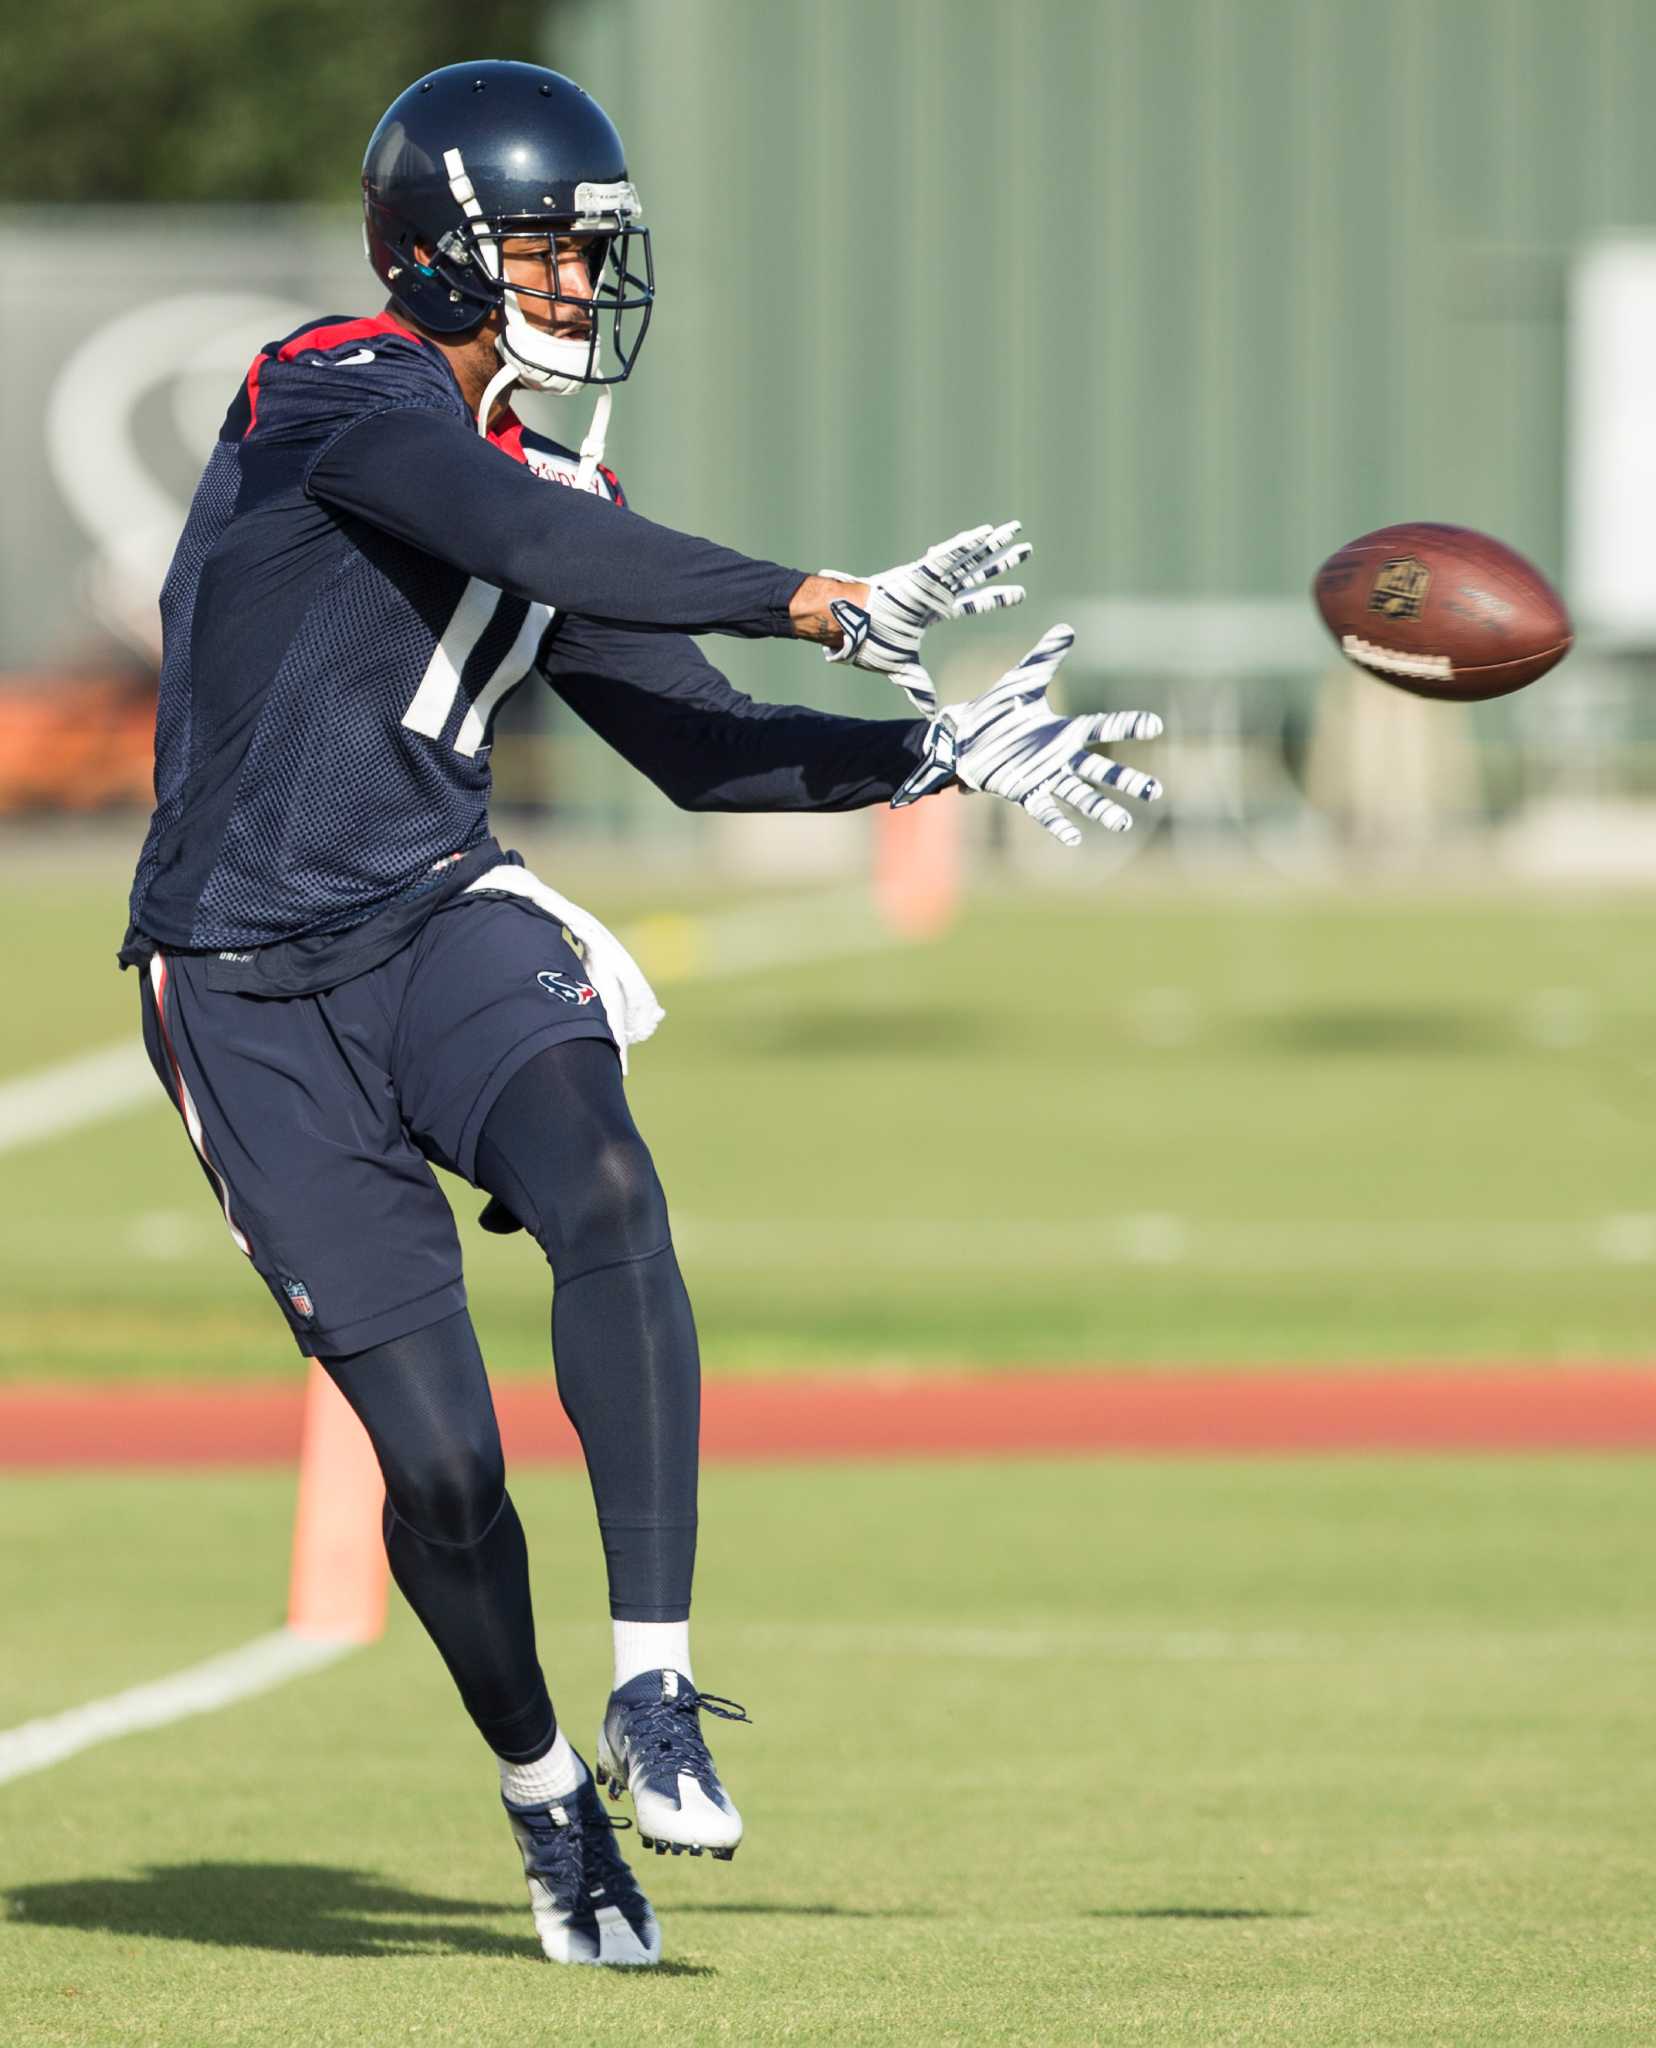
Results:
<point x="474" y="153"/>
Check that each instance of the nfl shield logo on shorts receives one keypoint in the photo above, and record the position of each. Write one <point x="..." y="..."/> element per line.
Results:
<point x="299" y="1294"/>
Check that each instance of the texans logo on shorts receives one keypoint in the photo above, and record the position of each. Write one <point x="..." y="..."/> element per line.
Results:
<point x="564" y="989"/>
<point x="299" y="1294"/>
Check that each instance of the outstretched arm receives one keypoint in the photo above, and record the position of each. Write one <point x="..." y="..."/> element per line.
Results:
<point x="428" y="479"/>
<point x="661" y="705"/>
<point x="422" y="475"/>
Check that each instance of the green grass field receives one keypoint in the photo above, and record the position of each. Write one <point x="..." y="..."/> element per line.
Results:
<point x="1102" y="1127"/>
<point x="1309" y="1752"/>
<point x="1320" y="1753"/>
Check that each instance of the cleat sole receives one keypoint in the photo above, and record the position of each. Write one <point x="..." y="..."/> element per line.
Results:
<point x="686" y="1848"/>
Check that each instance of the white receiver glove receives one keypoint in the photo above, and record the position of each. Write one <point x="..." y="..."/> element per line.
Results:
<point x="1012" y="743"/>
<point x="946" y="583"/>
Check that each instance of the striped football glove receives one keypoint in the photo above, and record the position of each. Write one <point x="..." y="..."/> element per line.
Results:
<point x="948" y="582"/>
<point x="1012" y="743"/>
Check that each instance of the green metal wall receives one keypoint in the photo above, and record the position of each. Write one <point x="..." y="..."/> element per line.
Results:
<point x="1195" y="287"/>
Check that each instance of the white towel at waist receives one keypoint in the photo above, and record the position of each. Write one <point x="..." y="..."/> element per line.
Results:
<point x="628" y="999"/>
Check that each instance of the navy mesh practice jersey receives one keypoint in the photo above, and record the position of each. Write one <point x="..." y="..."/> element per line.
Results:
<point x="362" y="580"/>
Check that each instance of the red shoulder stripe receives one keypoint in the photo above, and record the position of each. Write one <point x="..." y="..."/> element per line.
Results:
<point x="327" y="334"/>
<point x="253" y="393"/>
<point x="335" y="333"/>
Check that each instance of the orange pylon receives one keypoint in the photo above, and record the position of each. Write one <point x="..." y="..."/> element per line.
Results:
<point x="918" y="863"/>
<point x="340" y="1580"/>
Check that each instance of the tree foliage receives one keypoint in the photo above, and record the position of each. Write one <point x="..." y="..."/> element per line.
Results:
<point x="109" y="101"/>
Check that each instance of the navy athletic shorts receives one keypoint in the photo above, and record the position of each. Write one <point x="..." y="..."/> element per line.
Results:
<point x="315" y="1116"/>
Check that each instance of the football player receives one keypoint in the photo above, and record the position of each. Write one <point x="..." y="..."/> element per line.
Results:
<point x="346" y="978"/>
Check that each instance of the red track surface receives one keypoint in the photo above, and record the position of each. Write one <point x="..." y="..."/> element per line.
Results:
<point x="935" y="1416"/>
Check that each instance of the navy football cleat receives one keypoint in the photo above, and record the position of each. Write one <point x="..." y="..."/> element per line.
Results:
<point x="651" y="1742"/>
<point x="587" y="1904"/>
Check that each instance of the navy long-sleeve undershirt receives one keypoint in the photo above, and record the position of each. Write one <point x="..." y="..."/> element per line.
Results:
<point x="430" y="480"/>
<point x="658" y="701"/>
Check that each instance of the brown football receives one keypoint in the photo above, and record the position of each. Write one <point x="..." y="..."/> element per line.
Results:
<point x="1442" y="611"/>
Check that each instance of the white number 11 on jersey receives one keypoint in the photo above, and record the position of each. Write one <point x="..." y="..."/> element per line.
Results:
<point x="428" y="712"/>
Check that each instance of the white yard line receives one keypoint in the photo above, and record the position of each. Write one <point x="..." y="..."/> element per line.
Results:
<point x="70" y="1093"/>
<point x="256" y="1667"/>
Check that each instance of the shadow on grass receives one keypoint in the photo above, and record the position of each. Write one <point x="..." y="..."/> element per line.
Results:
<point x="1195" y="1913"/>
<point x="938" y="1032"/>
<point x="311" y="1909"/>
<point x="1369" y="1029"/>
<point x="822" y="1912"/>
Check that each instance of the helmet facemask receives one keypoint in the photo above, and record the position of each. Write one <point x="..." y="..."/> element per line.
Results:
<point x="614" y="315"/>
<point x="620" y="265"/>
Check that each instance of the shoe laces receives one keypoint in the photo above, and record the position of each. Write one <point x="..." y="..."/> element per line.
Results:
<point x="667" y="1734"/>
<point x="608" y="1875"/>
<point x="565" y="1851"/>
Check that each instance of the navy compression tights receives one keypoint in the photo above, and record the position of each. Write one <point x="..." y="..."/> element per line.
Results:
<point x="560" y="1151"/>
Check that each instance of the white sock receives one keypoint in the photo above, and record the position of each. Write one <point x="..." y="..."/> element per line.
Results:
<point x="549" y="1777"/>
<point x="651" y="1646"/>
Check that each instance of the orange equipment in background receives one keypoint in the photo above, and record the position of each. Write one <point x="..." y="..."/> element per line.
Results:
<point x="340" y="1578"/>
<point x="918" y="864"/>
<point x="76" y="742"/>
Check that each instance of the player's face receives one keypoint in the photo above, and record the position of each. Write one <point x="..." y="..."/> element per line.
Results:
<point x="566" y="267"/>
